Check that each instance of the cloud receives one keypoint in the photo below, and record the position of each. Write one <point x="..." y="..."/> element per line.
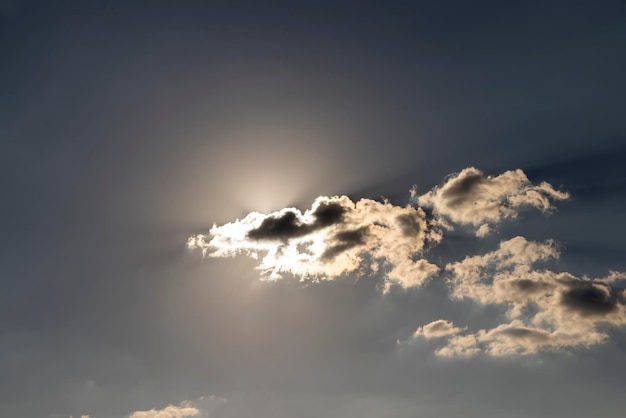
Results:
<point x="483" y="231"/>
<point x="183" y="411"/>
<point x="204" y="405"/>
<point x="437" y="329"/>
<point x="336" y="236"/>
<point x="545" y="310"/>
<point x="471" y="197"/>
<point x="615" y="277"/>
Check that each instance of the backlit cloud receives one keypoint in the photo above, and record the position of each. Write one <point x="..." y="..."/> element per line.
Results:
<point x="335" y="236"/>
<point x="471" y="197"/>
<point x="543" y="309"/>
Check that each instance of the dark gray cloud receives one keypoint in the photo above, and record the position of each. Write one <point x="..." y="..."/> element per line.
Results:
<point x="283" y="226"/>
<point x="592" y="299"/>
<point x="461" y="190"/>
<point x="329" y="213"/>
<point x="410" y="224"/>
<point x="526" y="334"/>
<point x="530" y="286"/>
<point x="343" y="241"/>
<point x="289" y="223"/>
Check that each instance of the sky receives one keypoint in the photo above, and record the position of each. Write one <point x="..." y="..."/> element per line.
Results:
<point x="229" y="209"/>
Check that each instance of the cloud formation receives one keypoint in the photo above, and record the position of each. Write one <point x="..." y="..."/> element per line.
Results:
<point x="471" y="197"/>
<point x="336" y="236"/>
<point x="185" y="410"/>
<point x="544" y="309"/>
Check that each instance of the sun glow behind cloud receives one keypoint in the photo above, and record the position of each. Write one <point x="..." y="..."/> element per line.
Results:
<point x="268" y="168"/>
<point x="336" y="236"/>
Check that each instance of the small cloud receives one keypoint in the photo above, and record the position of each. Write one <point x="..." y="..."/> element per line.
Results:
<point x="614" y="277"/>
<point x="185" y="410"/>
<point x="483" y="231"/>
<point x="589" y="299"/>
<point x="437" y="329"/>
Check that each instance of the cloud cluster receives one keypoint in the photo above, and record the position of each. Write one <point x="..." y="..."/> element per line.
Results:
<point x="335" y="236"/>
<point x="544" y="309"/>
<point x="471" y="197"/>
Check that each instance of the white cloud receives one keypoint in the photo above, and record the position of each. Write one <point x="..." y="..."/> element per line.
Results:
<point x="483" y="231"/>
<point x="614" y="277"/>
<point x="470" y="197"/>
<point x="545" y="310"/>
<point x="479" y="277"/>
<point x="437" y="329"/>
<point x="185" y="410"/>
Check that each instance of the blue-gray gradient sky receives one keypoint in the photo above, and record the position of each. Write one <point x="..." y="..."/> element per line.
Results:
<point x="224" y="209"/>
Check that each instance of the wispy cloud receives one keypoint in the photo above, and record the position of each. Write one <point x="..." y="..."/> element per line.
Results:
<point x="544" y="309"/>
<point x="437" y="329"/>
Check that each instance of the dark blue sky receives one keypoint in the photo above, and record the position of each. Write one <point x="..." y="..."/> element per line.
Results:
<point x="126" y="127"/>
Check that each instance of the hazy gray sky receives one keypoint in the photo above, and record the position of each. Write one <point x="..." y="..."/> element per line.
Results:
<point x="312" y="209"/>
